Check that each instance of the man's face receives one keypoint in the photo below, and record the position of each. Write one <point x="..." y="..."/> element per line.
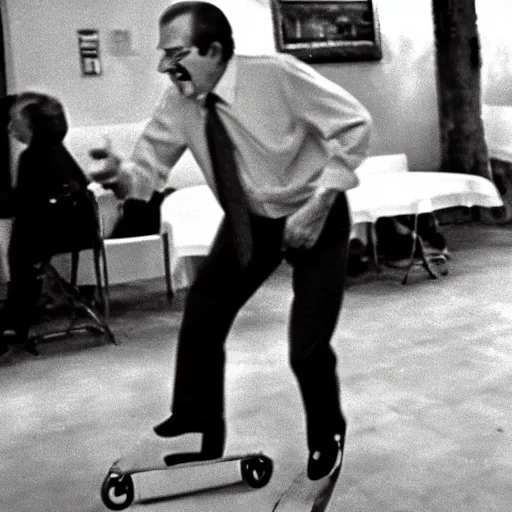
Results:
<point x="193" y="74"/>
<point x="18" y="126"/>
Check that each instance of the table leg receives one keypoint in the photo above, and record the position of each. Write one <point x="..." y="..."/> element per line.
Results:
<point x="371" y="237"/>
<point x="417" y="243"/>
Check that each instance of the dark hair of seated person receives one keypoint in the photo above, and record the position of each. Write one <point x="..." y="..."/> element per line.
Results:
<point x="46" y="117"/>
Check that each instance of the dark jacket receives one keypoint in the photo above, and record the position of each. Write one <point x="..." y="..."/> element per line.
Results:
<point x="45" y="172"/>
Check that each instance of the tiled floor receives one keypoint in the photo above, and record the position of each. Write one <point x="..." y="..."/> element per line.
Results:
<point x="426" y="382"/>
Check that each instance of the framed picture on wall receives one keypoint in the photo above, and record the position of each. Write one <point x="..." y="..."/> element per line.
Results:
<point x="327" y="30"/>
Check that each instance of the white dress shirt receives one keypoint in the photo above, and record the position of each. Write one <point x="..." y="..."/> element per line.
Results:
<point x="293" y="132"/>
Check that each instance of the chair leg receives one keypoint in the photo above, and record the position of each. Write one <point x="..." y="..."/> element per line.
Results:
<point x="74" y="300"/>
<point x="100" y="286"/>
<point x="103" y="291"/>
<point x="75" y="259"/>
<point x="106" y="286"/>
<point x="74" y="268"/>
<point x="426" y="261"/>
<point x="167" y="265"/>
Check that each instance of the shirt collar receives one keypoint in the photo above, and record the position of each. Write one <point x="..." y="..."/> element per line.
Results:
<point x="226" y="86"/>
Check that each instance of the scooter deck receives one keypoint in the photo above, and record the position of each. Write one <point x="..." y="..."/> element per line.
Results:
<point x="121" y="467"/>
<point x="305" y="495"/>
<point x="188" y="478"/>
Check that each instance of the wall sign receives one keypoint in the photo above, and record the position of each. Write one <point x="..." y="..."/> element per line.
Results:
<point x="120" y="43"/>
<point x="89" y="51"/>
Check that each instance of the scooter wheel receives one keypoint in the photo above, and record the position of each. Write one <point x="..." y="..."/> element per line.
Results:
<point x="257" y="471"/>
<point x="117" y="491"/>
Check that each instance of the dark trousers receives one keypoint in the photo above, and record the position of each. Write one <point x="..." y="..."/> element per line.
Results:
<point x="220" y="290"/>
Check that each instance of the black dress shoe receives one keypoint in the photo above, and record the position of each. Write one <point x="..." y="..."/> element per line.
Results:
<point x="214" y="434"/>
<point x="325" y="459"/>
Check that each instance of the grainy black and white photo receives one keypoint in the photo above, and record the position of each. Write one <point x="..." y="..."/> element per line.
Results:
<point x="256" y="255"/>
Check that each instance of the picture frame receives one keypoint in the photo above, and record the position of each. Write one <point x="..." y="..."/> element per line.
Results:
<point x="327" y="30"/>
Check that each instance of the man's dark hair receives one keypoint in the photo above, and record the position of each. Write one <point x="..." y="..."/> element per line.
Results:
<point x="45" y="115"/>
<point x="209" y="24"/>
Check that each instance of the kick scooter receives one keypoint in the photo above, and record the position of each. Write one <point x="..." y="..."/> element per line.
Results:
<point x="180" y="473"/>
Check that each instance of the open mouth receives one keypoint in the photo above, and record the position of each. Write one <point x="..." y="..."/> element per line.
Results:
<point x="180" y="73"/>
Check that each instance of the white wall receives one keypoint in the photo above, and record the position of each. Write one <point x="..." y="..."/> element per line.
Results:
<point x="399" y="91"/>
<point x="494" y="17"/>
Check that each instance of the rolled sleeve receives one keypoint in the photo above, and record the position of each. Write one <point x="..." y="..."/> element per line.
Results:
<point x="157" y="150"/>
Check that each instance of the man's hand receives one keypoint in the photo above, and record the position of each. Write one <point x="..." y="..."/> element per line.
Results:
<point x="303" y="228"/>
<point x="106" y="170"/>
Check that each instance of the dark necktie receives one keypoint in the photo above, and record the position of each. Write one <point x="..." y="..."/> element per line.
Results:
<point x="231" y="194"/>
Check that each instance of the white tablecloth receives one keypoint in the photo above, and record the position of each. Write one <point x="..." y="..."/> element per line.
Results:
<point x="192" y="215"/>
<point x="419" y="192"/>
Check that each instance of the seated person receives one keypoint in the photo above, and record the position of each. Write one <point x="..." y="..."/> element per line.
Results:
<point x="46" y="171"/>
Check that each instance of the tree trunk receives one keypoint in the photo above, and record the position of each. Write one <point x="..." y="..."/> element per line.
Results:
<point x="459" y="85"/>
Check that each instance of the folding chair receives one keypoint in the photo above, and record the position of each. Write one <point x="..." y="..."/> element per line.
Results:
<point x="74" y="226"/>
